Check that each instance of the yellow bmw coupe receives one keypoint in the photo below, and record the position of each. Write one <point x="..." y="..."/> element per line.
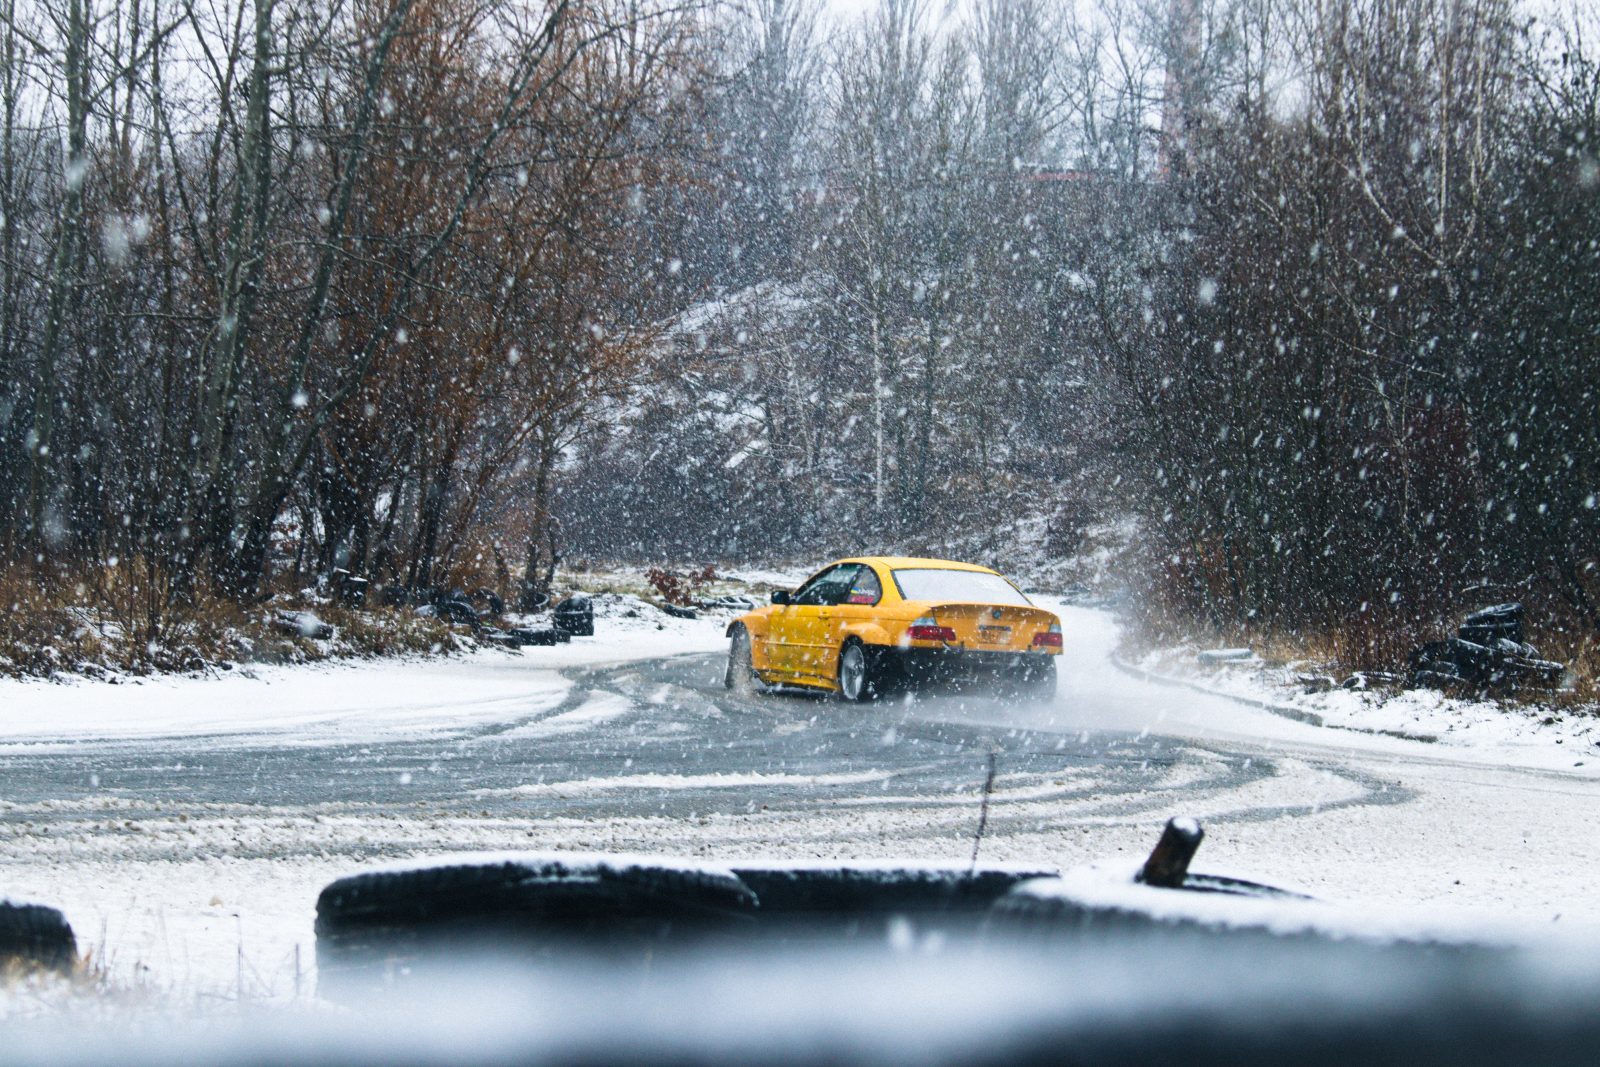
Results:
<point x="875" y="625"/>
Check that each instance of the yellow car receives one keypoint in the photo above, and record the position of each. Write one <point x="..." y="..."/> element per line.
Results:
<point x="873" y="625"/>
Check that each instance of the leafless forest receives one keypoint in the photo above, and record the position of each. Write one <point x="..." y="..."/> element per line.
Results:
<point x="433" y="291"/>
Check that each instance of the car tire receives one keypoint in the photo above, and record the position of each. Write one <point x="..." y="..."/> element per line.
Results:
<point x="858" y="674"/>
<point x="33" y="935"/>
<point x="740" y="677"/>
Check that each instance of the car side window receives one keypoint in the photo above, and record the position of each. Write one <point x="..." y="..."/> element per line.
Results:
<point x="866" y="589"/>
<point x="830" y="587"/>
<point x="807" y="594"/>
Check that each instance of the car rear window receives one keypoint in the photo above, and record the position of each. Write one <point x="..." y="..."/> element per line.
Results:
<point x="967" y="587"/>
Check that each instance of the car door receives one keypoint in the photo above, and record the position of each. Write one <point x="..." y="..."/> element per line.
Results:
<point x="814" y="632"/>
<point x="791" y="631"/>
<point x="858" y="604"/>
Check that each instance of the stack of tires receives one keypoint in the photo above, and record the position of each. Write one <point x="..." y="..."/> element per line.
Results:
<point x="1487" y="653"/>
<point x="574" y="616"/>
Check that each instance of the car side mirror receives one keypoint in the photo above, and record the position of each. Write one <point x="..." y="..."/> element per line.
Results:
<point x="781" y="596"/>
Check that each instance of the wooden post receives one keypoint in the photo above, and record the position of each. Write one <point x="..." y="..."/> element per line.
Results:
<point x="1168" y="864"/>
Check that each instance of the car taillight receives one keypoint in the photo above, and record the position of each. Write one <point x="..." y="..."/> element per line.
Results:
<point x="927" y="628"/>
<point x="1050" y="638"/>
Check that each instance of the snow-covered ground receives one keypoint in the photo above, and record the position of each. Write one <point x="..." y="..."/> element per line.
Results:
<point x="233" y="924"/>
<point x="344" y="700"/>
<point x="213" y="904"/>
<point x="1552" y="735"/>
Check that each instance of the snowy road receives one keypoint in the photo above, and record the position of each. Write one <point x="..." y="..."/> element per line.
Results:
<point x="186" y="826"/>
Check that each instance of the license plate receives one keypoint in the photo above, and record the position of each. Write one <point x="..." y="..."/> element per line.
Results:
<point x="994" y="635"/>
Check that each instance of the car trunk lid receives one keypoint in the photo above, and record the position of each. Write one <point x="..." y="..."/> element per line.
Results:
<point x="991" y="627"/>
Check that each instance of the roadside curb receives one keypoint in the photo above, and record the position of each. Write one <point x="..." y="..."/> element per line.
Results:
<point x="1310" y="718"/>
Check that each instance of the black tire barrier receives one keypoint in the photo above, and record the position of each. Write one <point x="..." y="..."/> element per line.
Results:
<point x="457" y="611"/>
<point x="601" y="900"/>
<point x="1487" y="625"/>
<point x="854" y="899"/>
<point x="730" y="603"/>
<point x="491" y="602"/>
<point x="33" y="935"/>
<point x="556" y="896"/>
<point x="1046" y="911"/>
<point x="574" y="617"/>
<point x="1502" y="663"/>
<point x="1038" y="915"/>
<point x="301" y="624"/>
<point x="384" y="920"/>
<point x="1487" y="653"/>
<point x="539" y="636"/>
<point x="376" y="926"/>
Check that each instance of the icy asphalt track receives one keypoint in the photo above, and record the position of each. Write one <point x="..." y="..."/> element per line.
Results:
<point x="190" y="860"/>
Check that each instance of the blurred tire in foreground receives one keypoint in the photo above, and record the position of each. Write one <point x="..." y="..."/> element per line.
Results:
<point x="33" y="935"/>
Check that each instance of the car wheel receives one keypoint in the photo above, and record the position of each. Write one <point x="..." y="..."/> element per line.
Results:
<point x="741" y="673"/>
<point x="857" y="675"/>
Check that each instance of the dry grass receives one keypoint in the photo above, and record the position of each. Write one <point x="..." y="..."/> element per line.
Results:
<point x="28" y="988"/>
<point x="597" y="577"/>
<point x="384" y="631"/>
<point x="16" y="972"/>
<point x="39" y="633"/>
<point x="109" y="623"/>
<point x="1368" y="638"/>
<point x="86" y="991"/>
<point x="1373" y="644"/>
<point x="1581" y="654"/>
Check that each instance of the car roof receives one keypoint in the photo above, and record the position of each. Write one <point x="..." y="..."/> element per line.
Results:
<point x="899" y="562"/>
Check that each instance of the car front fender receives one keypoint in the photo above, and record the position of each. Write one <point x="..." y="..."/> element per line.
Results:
<point x="755" y="622"/>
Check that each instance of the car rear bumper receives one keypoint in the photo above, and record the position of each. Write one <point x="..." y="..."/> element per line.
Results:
<point x="920" y="666"/>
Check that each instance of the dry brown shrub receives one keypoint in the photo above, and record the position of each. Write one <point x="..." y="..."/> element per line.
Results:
<point x="1169" y="610"/>
<point x="108" y="619"/>
<point x="39" y="631"/>
<point x="386" y="631"/>
<point x="680" y="589"/>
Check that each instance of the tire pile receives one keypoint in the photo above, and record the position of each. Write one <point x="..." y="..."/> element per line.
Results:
<point x="1488" y="654"/>
<point x="573" y="617"/>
